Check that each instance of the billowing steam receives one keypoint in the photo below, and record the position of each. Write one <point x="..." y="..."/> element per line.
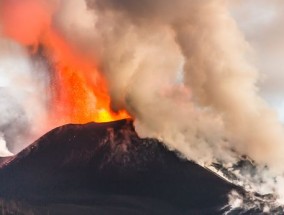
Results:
<point x="181" y="69"/>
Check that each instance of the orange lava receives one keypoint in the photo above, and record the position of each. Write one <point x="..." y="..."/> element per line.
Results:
<point x="79" y="91"/>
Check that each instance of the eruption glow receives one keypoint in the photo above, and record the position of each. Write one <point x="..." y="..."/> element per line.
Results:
<point x="80" y="91"/>
<point x="126" y="56"/>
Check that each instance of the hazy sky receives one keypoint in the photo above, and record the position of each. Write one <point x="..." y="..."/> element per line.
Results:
<point x="262" y="22"/>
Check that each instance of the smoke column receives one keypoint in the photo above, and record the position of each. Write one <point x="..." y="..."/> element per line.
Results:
<point x="183" y="70"/>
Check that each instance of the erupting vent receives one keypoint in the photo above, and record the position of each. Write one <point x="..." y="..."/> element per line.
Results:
<point x="80" y="92"/>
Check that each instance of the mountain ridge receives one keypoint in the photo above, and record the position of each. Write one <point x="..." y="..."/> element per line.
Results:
<point x="76" y="163"/>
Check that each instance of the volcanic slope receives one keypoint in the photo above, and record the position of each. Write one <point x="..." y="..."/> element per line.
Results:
<point x="107" y="169"/>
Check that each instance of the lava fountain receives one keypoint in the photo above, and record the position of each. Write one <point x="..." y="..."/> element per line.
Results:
<point x="79" y="92"/>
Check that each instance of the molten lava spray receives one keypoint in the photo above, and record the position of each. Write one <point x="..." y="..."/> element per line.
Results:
<point x="181" y="68"/>
<point x="80" y="93"/>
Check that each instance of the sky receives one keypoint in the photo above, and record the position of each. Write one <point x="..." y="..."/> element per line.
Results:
<point x="261" y="22"/>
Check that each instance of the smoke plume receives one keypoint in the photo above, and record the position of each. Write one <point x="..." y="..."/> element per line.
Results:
<point x="142" y="46"/>
<point x="182" y="69"/>
<point x="185" y="73"/>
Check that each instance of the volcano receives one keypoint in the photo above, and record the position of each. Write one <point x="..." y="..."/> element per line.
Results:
<point x="105" y="168"/>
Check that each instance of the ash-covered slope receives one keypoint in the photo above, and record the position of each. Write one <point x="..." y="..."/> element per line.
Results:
<point x="108" y="164"/>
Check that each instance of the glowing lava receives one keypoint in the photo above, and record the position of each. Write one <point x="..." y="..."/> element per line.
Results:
<point x="80" y="92"/>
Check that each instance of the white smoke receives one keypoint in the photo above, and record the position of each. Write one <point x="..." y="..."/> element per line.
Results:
<point x="4" y="152"/>
<point x="22" y="98"/>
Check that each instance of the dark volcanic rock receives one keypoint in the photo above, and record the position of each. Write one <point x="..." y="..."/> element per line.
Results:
<point x="110" y="170"/>
<point x="4" y="159"/>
